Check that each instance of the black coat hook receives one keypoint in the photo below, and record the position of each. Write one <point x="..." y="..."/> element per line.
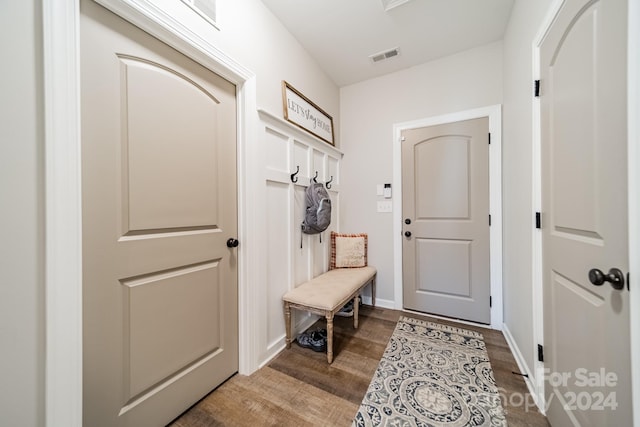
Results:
<point x="293" y="175"/>
<point x="315" y="178"/>
<point x="328" y="184"/>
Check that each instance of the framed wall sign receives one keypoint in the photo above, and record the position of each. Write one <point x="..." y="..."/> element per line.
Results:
<point x="300" y="111"/>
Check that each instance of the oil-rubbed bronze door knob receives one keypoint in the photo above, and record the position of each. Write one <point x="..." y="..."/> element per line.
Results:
<point x="615" y="277"/>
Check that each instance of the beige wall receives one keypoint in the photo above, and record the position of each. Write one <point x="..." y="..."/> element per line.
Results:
<point x="464" y="81"/>
<point x="21" y="216"/>
<point x="517" y="149"/>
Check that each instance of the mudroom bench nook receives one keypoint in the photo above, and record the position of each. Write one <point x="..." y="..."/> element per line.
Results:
<point x="326" y="294"/>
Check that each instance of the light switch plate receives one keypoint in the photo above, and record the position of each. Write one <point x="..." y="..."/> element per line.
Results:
<point x="385" y="206"/>
<point x="379" y="190"/>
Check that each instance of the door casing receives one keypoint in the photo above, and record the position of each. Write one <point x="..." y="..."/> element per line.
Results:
<point x="494" y="113"/>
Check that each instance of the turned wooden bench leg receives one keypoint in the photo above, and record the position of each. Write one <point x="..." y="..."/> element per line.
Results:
<point x="287" y="323"/>
<point x="329" y="317"/>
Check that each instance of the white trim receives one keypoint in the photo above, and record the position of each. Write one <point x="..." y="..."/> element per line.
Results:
<point x="537" y="380"/>
<point x="146" y="15"/>
<point x="494" y="113"/>
<point x="63" y="215"/>
<point x="248" y="253"/>
<point x="522" y="365"/>
<point x="634" y="198"/>
<point x="380" y="303"/>
<point x="309" y="138"/>
<point x="63" y="281"/>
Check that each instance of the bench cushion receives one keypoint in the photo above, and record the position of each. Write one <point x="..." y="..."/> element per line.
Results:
<point x="331" y="289"/>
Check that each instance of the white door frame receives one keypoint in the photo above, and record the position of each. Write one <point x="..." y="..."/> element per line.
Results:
<point x="63" y="196"/>
<point x="494" y="113"/>
<point x="633" y="90"/>
<point x="537" y="382"/>
<point x="633" y="165"/>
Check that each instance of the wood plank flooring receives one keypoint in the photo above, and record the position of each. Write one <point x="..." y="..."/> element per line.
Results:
<point x="299" y="388"/>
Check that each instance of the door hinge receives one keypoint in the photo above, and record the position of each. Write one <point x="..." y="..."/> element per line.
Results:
<point x="489" y="220"/>
<point x="402" y="139"/>
<point x="490" y="301"/>
<point x="489" y="138"/>
<point x="540" y="353"/>
<point x="538" y="220"/>
<point x="536" y="88"/>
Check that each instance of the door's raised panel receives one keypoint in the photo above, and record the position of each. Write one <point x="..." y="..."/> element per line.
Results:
<point x="278" y="246"/>
<point x="442" y="178"/>
<point x="572" y="337"/>
<point x="170" y="322"/>
<point x="169" y="159"/>
<point x="572" y="83"/>
<point x="444" y="266"/>
<point x="277" y="150"/>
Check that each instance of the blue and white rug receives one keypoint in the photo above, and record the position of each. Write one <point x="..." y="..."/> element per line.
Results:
<point x="432" y="375"/>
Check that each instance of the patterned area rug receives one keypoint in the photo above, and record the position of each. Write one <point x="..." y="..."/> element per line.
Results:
<point x="432" y="375"/>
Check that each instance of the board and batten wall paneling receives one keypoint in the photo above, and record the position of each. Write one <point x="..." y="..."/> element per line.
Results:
<point x="292" y="257"/>
<point x="278" y="245"/>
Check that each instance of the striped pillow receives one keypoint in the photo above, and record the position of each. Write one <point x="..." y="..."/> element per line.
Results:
<point x="348" y="250"/>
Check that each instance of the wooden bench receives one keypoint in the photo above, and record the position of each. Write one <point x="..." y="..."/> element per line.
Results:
<point x="327" y="294"/>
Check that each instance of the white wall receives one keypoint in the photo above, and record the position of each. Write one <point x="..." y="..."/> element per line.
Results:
<point x="517" y="154"/>
<point x="252" y="36"/>
<point x="21" y="216"/>
<point x="464" y="81"/>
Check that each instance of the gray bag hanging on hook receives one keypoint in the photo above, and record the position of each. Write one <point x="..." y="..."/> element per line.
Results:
<point x="317" y="216"/>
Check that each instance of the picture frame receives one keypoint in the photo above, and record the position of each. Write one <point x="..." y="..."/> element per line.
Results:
<point x="302" y="112"/>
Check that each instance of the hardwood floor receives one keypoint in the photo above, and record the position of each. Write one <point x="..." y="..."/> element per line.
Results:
<point x="299" y="388"/>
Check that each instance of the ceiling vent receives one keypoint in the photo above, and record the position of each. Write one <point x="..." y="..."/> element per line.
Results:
<point x="377" y="57"/>
<point x="390" y="4"/>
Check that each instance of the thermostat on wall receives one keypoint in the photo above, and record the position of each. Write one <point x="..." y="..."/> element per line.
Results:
<point x="387" y="191"/>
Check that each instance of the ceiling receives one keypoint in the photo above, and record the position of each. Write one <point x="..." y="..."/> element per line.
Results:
<point x="342" y="34"/>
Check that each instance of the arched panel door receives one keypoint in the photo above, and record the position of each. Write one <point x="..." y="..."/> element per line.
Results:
<point x="584" y="215"/>
<point x="159" y="205"/>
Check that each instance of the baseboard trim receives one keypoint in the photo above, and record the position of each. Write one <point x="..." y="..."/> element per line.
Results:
<point x="382" y="303"/>
<point x="279" y="345"/>
<point x="530" y="379"/>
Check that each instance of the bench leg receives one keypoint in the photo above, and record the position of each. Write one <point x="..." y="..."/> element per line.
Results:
<point x="373" y="292"/>
<point x="356" y="307"/>
<point x="329" y="317"/>
<point x="287" y="323"/>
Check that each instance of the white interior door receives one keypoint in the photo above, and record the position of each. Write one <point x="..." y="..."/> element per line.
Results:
<point x="159" y="204"/>
<point x="584" y="215"/>
<point x="445" y="207"/>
